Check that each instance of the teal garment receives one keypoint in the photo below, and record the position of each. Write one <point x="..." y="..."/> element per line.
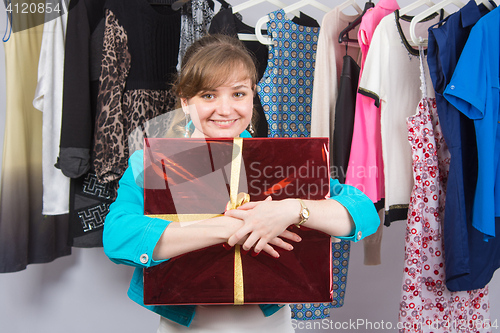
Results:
<point x="130" y="237"/>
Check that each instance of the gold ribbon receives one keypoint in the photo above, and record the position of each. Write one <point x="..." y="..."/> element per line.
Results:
<point x="235" y="200"/>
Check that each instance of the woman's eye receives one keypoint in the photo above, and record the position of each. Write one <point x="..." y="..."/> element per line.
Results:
<point x="207" y="96"/>
<point x="239" y="94"/>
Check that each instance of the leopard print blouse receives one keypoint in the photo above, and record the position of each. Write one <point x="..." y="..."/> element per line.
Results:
<point x="120" y="110"/>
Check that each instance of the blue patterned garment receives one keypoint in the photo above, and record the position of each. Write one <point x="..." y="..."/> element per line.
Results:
<point x="340" y="264"/>
<point x="285" y="93"/>
<point x="285" y="90"/>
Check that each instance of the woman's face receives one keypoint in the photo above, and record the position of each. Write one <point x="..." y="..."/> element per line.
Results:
<point x="224" y="112"/>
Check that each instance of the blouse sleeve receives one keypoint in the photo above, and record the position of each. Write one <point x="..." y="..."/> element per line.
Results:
<point x="109" y="143"/>
<point x="359" y="206"/>
<point x="370" y="82"/>
<point x="129" y="236"/>
<point x="469" y="86"/>
<point x="77" y="122"/>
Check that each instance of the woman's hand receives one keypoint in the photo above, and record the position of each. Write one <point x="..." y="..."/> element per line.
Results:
<point x="265" y="223"/>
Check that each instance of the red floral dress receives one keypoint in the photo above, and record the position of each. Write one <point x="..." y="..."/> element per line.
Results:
<point x="426" y="304"/>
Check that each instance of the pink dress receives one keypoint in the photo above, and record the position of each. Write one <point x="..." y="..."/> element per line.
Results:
<point x="426" y="304"/>
<point x="366" y="147"/>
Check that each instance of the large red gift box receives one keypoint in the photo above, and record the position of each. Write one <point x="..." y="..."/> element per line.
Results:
<point x="192" y="179"/>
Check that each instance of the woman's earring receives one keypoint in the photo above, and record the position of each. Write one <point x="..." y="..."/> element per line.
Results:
<point x="186" y="127"/>
<point x="250" y="129"/>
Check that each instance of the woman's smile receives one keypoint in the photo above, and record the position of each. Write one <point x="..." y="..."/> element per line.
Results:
<point x="224" y="123"/>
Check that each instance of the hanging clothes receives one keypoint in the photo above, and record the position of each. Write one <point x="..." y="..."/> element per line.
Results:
<point x="470" y="262"/>
<point x="390" y="78"/>
<point x="287" y="103"/>
<point x="225" y="22"/>
<point x="82" y="67"/>
<point x="340" y="145"/>
<point x="366" y="146"/>
<point x="285" y="91"/>
<point x="426" y="304"/>
<point x="196" y="16"/>
<point x="474" y="90"/>
<point x="329" y="62"/>
<point x="140" y="50"/>
<point x="48" y="99"/>
<point x="26" y="235"/>
<point x="89" y="198"/>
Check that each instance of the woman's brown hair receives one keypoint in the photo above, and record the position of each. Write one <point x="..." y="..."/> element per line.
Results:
<point x="210" y="62"/>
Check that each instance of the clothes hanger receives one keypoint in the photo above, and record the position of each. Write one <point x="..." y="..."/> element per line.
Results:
<point x="224" y="4"/>
<point x="420" y="16"/>
<point x="251" y="3"/>
<point x="8" y="28"/>
<point x="415" y="5"/>
<point x="486" y="3"/>
<point x="344" y="35"/>
<point x="347" y="4"/>
<point x="434" y="9"/>
<point x="288" y="9"/>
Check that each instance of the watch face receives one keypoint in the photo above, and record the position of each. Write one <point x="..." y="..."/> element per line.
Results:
<point x="305" y="213"/>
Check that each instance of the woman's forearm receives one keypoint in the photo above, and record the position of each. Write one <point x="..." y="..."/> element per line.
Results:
<point x="183" y="237"/>
<point x="328" y="216"/>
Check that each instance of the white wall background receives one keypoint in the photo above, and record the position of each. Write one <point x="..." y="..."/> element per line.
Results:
<point x="85" y="292"/>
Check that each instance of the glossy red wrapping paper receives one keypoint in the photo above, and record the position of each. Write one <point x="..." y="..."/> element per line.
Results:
<point x="193" y="176"/>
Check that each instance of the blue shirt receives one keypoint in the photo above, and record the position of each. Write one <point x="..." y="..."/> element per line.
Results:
<point x="474" y="90"/>
<point x="463" y="244"/>
<point x="130" y="237"/>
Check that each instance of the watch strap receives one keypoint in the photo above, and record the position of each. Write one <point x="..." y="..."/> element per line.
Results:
<point x="303" y="207"/>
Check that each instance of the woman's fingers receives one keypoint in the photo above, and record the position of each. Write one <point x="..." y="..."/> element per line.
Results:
<point x="271" y="251"/>
<point x="240" y="234"/>
<point x="262" y="228"/>
<point x="233" y="240"/>
<point x="252" y="204"/>
<point x="276" y="241"/>
<point x="253" y="240"/>
<point x="266" y="247"/>
<point x="290" y="235"/>
<point x="247" y="206"/>
<point x="237" y="213"/>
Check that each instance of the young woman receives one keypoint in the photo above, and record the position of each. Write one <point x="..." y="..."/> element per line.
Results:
<point x="215" y="87"/>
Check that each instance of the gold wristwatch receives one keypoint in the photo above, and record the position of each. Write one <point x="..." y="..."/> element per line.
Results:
<point x="304" y="213"/>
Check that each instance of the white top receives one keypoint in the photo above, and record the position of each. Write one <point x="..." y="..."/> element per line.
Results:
<point x="232" y="319"/>
<point x="328" y="68"/>
<point x="392" y="73"/>
<point x="48" y="99"/>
